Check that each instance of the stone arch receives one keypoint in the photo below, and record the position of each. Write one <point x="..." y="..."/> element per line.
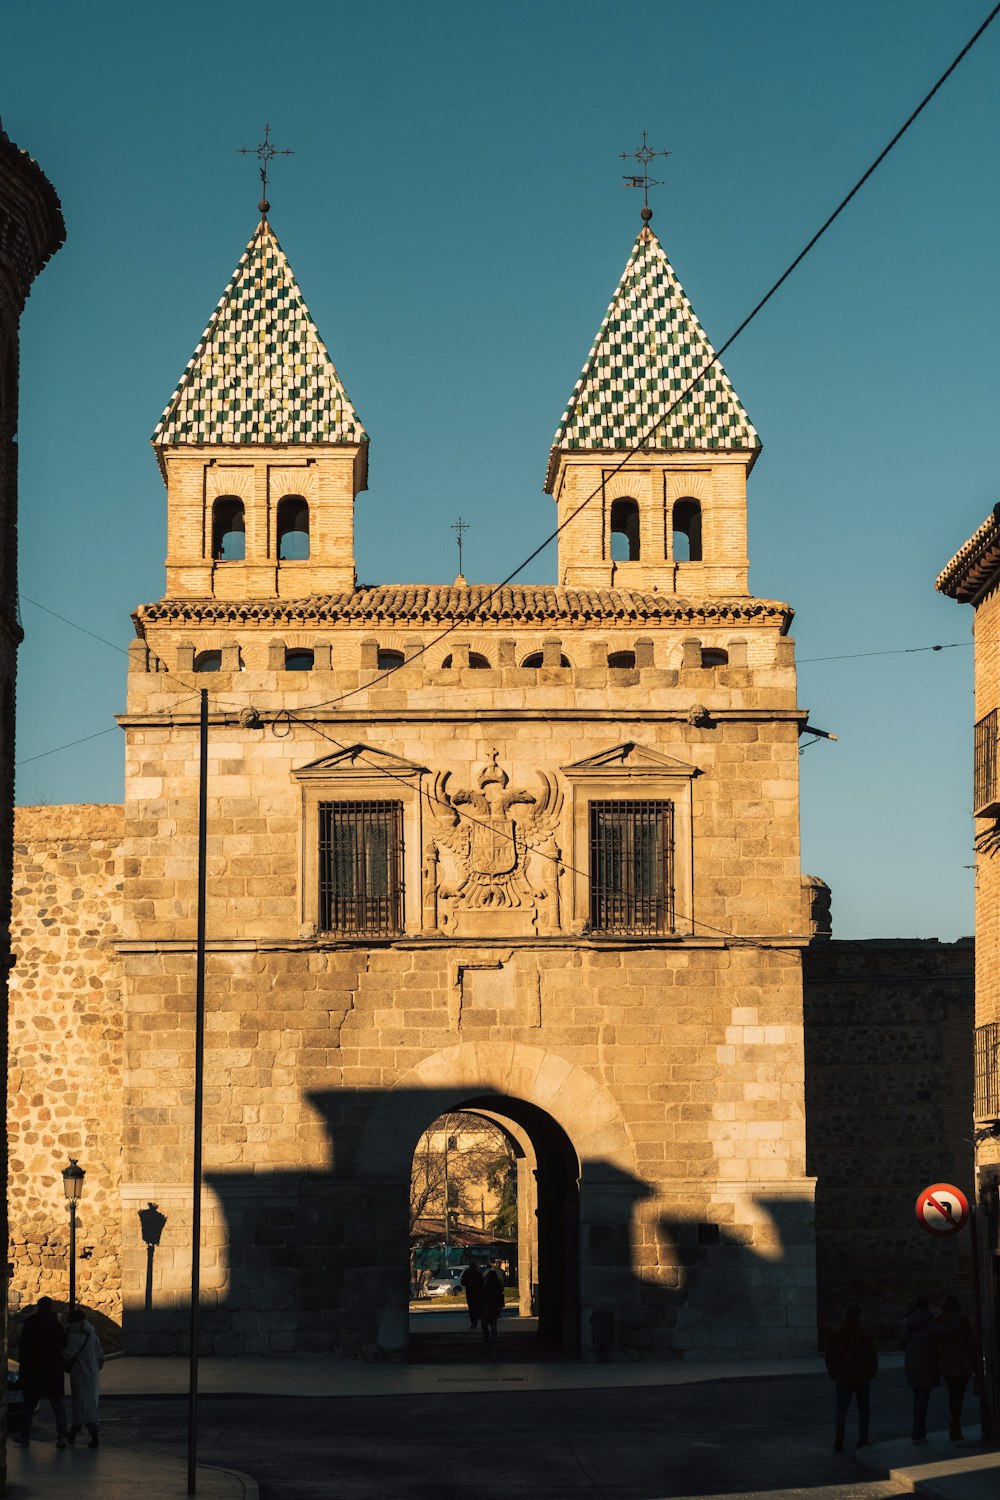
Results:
<point x="632" y="484"/>
<point x="576" y="1101"/>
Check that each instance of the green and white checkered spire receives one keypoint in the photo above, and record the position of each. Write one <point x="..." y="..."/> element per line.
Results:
<point x="648" y="349"/>
<point x="261" y="373"/>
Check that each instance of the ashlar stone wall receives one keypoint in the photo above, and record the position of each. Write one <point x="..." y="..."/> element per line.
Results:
<point x="666" y="1074"/>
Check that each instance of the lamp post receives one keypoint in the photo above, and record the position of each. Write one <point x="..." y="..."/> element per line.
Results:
<point x="72" y="1177"/>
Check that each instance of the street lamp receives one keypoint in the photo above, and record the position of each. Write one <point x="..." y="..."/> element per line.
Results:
<point x="72" y="1177"/>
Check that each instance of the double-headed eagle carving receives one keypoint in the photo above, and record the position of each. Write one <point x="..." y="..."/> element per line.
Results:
<point x="497" y="846"/>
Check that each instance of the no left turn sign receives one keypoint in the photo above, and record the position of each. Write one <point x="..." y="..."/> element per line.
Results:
<point x="942" y="1209"/>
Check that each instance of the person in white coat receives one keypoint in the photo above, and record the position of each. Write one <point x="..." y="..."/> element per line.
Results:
<point x="84" y="1360"/>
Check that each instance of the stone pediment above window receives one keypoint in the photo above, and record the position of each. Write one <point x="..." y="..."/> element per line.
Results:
<point x="631" y="860"/>
<point x="359" y="760"/>
<point x="630" y="760"/>
<point x="361" y="844"/>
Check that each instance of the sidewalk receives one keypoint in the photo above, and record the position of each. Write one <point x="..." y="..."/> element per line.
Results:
<point x="941" y="1469"/>
<point x="78" y="1474"/>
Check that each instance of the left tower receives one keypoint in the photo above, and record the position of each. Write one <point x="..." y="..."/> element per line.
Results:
<point x="31" y="231"/>
<point x="260" y="447"/>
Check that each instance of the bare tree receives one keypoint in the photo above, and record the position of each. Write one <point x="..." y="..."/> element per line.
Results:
<point x="459" y="1163"/>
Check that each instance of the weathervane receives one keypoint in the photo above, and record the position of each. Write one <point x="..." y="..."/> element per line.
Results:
<point x="645" y="154"/>
<point x="264" y="153"/>
<point x="460" y="527"/>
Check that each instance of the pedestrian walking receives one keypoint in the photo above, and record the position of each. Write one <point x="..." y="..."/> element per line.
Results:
<point x="920" y="1362"/>
<point x="40" y="1359"/>
<point x="957" y="1358"/>
<point x="84" y="1361"/>
<point x="921" y="1337"/>
<point x="472" y="1281"/>
<point x="491" y="1306"/>
<point x="852" y="1363"/>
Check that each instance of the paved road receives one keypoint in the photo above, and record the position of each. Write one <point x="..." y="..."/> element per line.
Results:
<point x="726" y="1438"/>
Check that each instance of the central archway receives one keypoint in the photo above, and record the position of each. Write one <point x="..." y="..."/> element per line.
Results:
<point x="548" y="1213"/>
<point x="558" y="1115"/>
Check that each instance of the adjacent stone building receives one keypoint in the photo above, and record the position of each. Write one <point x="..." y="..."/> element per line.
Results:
<point x="973" y="577"/>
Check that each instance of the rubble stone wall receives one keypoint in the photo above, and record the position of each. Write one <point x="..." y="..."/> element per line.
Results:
<point x="66" y="1049"/>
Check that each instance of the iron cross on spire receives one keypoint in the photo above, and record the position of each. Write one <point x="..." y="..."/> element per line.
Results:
<point x="460" y="527"/>
<point x="644" y="155"/>
<point x="264" y="153"/>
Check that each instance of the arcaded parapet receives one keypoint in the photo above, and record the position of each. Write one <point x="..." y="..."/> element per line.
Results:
<point x="66" y="1051"/>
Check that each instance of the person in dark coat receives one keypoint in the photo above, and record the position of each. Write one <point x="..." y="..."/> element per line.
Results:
<point x="852" y="1362"/>
<point x="472" y="1281"/>
<point x="921" y="1336"/>
<point x="957" y="1358"/>
<point x="40" y="1357"/>
<point x="491" y="1305"/>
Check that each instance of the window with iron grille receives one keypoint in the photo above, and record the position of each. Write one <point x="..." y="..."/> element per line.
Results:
<point x="985" y="771"/>
<point x="360" y="864"/>
<point x="987" y="1090"/>
<point x="631" y="867"/>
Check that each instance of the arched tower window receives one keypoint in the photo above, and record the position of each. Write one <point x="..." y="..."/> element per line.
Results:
<point x="389" y="660"/>
<point x="537" y="659"/>
<point x="229" y="530"/>
<point x="476" y="659"/>
<point x="293" y="529"/>
<point x="208" y="661"/>
<point x="624" y="531"/>
<point x="687" y="531"/>
<point x="299" y="659"/>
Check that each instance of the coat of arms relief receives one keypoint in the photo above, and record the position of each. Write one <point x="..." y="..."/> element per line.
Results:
<point x="491" y="860"/>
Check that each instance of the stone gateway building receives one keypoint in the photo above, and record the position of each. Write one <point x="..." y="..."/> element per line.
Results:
<point x="527" y="852"/>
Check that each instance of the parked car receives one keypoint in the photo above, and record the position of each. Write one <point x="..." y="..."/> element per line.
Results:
<point x="446" y="1283"/>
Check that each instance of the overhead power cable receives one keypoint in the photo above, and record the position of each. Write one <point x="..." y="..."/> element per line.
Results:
<point x="650" y="432"/>
<point x="292" y="717"/>
<point x="804" y="661"/>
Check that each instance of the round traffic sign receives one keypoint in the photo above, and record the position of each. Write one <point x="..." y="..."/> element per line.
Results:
<point x="942" y="1208"/>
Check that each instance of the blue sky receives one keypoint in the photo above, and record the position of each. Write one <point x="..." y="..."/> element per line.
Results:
<point x="455" y="216"/>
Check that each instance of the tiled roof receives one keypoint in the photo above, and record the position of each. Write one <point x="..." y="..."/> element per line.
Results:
<point x="974" y="565"/>
<point x="421" y="604"/>
<point x="261" y="373"/>
<point x="647" y="351"/>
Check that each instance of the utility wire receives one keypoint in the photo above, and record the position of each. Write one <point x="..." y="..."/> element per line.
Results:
<point x="69" y="746"/>
<point x="898" y="651"/>
<point x="642" y="441"/>
<point x="123" y="650"/>
<point x="290" y="716"/>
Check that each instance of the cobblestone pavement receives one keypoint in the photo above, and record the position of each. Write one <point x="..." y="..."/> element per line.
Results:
<point x="722" y="1438"/>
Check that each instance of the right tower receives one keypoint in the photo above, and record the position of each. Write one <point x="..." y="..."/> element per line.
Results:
<point x="650" y="462"/>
